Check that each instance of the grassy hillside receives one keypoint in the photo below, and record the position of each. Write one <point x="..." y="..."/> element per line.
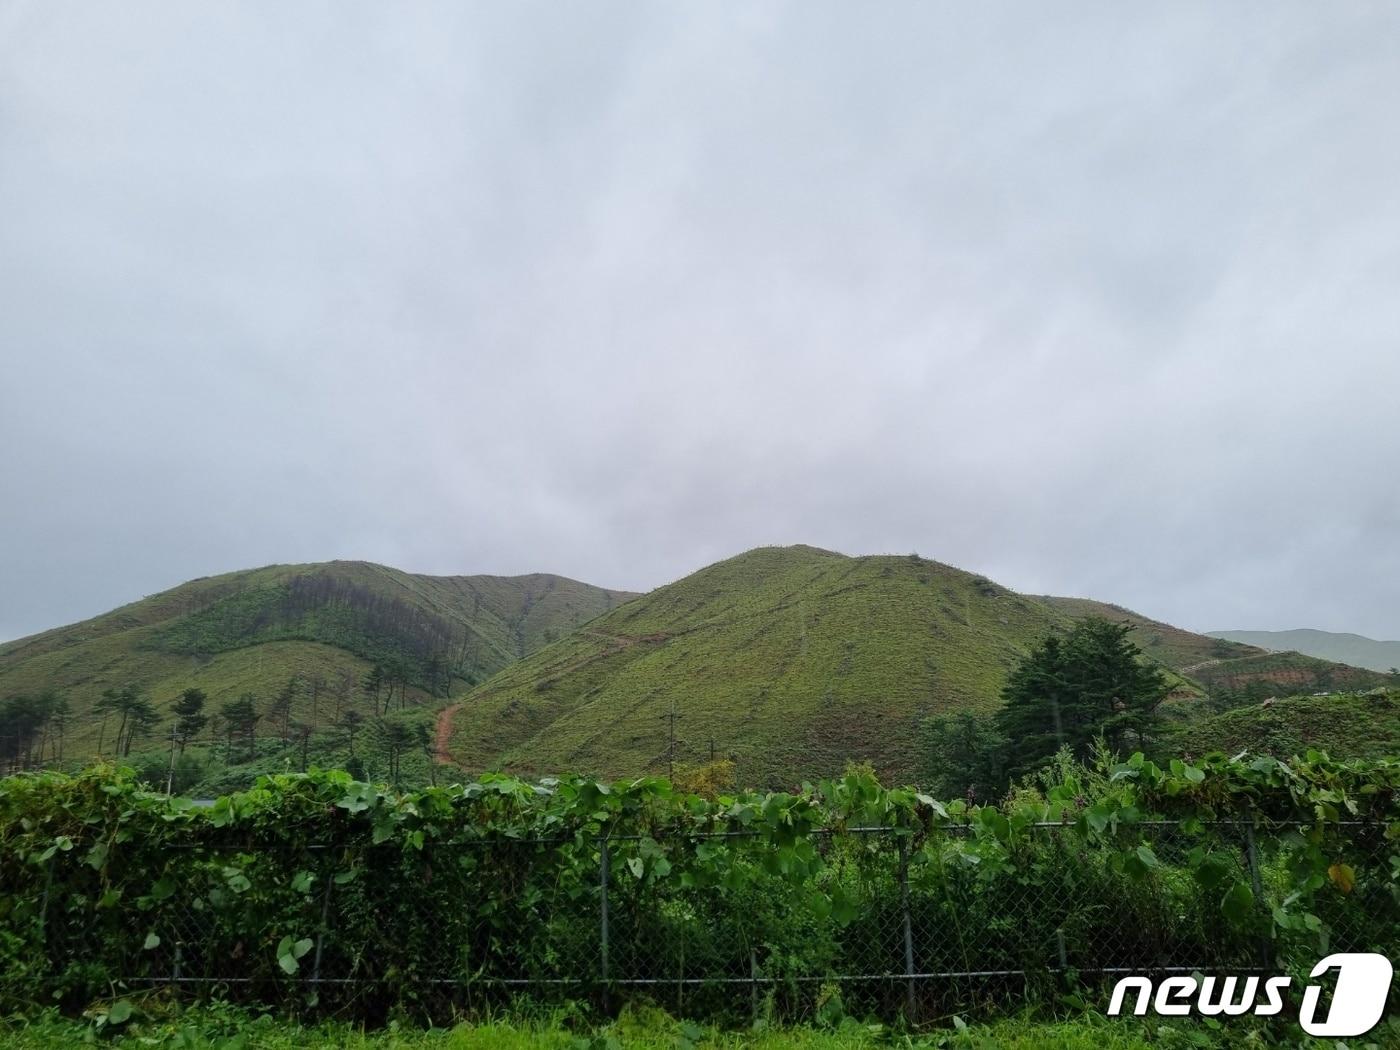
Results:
<point x="1353" y="649"/>
<point x="1345" y="726"/>
<point x="1265" y="674"/>
<point x="792" y="661"/>
<point x="1171" y="646"/>
<point x="789" y="661"/>
<point x="328" y="623"/>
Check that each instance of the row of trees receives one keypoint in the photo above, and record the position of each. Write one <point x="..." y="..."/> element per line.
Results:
<point x="35" y="727"/>
<point x="33" y="730"/>
<point x="331" y="700"/>
<point x="238" y="720"/>
<point x="395" y="739"/>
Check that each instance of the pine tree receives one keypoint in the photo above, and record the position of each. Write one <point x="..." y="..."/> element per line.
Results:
<point x="423" y="737"/>
<point x="397" y="739"/>
<point x="1070" y="690"/>
<point x="141" y="720"/>
<point x="350" y="723"/>
<point x="241" y="719"/>
<point x="280" y="711"/>
<point x="62" y="717"/>
<point x="372" y="684"/>
<point x="964" y="755"/>
<point x="190" y="718"/>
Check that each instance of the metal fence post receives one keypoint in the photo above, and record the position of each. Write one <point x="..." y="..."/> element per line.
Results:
<point x="321" y="930"/>
<point x="44" y="913"/>
<point x="44" y="903"/>
<point x="1251" y="852"/>
<point x="603" y="916"/>
<point x="908" y="926"/>
<point x="753" y="983"/>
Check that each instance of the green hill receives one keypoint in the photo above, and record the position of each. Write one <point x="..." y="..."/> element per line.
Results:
<point x="1353" y="649"/>
<point x="1348" y="725"/>
<point x="1260" y="675"/>
<point x="328" y="623"/>
<point x="791" y="661"/>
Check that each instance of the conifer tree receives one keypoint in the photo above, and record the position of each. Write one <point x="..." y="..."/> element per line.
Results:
<point x="1070" y="690"/>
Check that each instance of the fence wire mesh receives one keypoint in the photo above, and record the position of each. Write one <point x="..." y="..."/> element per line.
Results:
<point x="915" y="927"/>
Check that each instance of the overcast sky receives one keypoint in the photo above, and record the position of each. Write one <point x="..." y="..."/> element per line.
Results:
<point x="1099" y="300"/>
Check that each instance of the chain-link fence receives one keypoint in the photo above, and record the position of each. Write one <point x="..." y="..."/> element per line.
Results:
<point x="716" y="925"/>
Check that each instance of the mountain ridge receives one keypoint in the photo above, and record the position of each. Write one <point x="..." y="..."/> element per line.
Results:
<point x="252" y="629"/>
<point x="1341" y="646"/>
<point x="790" y="660"/>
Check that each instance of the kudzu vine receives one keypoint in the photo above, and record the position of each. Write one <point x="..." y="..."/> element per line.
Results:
<point x="100" y="878"/>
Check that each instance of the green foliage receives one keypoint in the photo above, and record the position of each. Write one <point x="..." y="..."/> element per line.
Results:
<point x="240" y="719"/>
<point x="190" y="718"/>
<point x="1071" y="691"/>
<point x="219" y="1026"/>
<point x="965" y="755"/>
<point x="135" y="714"/>
<point x="32" y="729"/>
<point x="99" y="878"/>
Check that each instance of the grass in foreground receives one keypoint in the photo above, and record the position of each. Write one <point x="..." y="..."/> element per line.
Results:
<point x="221" y="1027"/>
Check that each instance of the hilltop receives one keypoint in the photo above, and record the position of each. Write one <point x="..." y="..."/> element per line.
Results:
<point x="791" y="661"/>
<point x="328" y="623"/>
<point x="1354" y="649"/>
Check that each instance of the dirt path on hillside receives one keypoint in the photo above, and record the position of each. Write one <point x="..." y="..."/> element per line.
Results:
<point x="442" y="735"/>
<point x="1199" y="667"/>
<point x="1222" y="660"/>
<point x="442" y="729"/>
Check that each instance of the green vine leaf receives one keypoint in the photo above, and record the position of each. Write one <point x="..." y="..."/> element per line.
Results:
<point x="289" y="951"/>
<point x="1238" y="902"/>
<point x="120" y="1012"/>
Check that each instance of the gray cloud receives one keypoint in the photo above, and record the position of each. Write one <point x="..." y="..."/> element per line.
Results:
<point x="1096" y="301"/>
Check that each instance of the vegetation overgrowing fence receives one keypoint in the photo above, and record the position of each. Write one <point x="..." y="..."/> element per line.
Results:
<point x="321" y="893"/>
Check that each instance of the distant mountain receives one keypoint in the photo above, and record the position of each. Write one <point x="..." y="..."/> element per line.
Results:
<point x="1229" y="664"/>
<point x="329" y="622"/>
<point x="790" y="660"/>
<point x="1351" y="649"/>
